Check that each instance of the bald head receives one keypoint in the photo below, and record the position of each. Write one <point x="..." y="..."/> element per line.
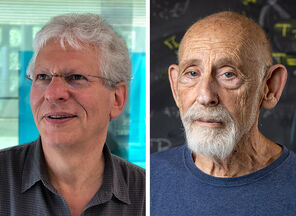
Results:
<point x="239" y="31"/>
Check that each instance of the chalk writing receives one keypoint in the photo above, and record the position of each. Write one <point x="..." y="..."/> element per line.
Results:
<point x="172" y="44"/>
<point x="160" y="144"/>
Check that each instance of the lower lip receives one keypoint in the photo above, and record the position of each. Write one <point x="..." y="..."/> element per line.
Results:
<point x="209" y="124"/>
<point x="59" y="121"/>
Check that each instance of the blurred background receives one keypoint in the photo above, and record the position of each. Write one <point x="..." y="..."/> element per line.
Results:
<point x="19" y="22"/>
<point x="169" y="20"/>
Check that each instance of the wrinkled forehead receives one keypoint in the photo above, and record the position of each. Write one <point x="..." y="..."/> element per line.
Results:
<point x="239" y="32"/>
<point x="197" y="44"/>
<point x="215" y="43"/>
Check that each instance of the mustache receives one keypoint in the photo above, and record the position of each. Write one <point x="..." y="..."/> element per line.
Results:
<point x="218" y="114"/>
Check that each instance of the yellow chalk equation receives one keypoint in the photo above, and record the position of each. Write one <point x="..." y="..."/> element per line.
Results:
<point x="294" y="33"/>
<point x="283" y="27"/>
<point x="286" y="29"/>
<point x="246" y="2"/>
<point x="283" y="58"/>
<point x="172" y="44"/>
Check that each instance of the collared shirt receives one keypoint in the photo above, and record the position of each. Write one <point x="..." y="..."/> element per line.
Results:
<point x="25" y="188"/>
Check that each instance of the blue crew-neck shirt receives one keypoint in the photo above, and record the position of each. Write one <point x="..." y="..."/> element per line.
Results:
<point x="179" y="188"/>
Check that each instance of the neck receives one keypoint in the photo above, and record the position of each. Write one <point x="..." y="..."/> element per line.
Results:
<point x="253" y="152"/>
<point x="75" y="172"/>
<point x="74" y="163"/>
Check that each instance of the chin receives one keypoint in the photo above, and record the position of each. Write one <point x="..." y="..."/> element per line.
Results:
<point x="212" y="142"/>
<point x="57" y="139"/>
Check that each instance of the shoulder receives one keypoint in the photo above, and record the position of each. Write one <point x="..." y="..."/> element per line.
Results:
<point x="12" y="162"/>
<point x="282" y="170"/>
<point x="166" y="157"/>
<point x="290" y="162"/>
<point x="166" y="164"/>
<point x="127" y="169"/>
<point x="14" y="154"/>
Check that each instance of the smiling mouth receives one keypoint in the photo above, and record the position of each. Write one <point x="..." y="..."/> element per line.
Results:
<point x="59" y="118"/>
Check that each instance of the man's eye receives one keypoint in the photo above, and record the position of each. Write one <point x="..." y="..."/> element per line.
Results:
<point x="191" y="74"/>
<point x="42" y="77"/>
<point x="74" y="77"/>
<point x="228" y="74"/>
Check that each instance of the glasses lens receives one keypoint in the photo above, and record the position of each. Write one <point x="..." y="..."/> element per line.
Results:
<point x="76" y="80"/>
<point x="41" y="80"/>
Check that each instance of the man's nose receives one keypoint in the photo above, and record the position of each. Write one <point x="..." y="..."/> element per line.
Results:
<point x="57" y="90"/>
<point x="207" y="92"/>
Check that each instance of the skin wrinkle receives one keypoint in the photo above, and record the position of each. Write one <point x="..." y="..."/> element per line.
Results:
<point x="54" y="105"/>
<point x="232" y="36"/>
<point x="233" y="54"/>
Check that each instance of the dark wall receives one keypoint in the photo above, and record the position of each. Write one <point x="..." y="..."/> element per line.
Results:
<point x="169" y="21"/>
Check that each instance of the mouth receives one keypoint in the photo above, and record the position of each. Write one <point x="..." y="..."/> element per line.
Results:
<point x="59" y="117"/>
<point x="209" y="122"/>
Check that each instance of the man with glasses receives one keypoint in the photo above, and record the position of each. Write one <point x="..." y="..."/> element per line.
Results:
<point x="79" y="73"/>
<point x="224" y="76"/>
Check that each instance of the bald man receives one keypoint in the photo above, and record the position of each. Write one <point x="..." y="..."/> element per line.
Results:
<point x="227" y="167"/>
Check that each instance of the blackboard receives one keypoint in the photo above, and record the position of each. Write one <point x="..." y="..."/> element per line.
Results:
<point x="169" y="19"/>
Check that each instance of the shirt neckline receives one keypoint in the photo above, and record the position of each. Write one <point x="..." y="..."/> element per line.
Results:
<point x="232" y="181"/>
<point x="34" y="170"/>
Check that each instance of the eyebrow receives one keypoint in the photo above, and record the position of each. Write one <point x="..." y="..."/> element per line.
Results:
<point x="226" y="61"/>
<point x="219" y="63"/>
<point x="64" y="71"/>
<point x="190" y="62"/>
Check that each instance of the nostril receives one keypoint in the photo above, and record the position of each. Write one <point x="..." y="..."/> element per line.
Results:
<point x="213" y="102"/>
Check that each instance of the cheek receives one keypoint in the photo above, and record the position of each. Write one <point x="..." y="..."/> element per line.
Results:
<point x="98" y="107"/>
<point x="241" y="104"/>
<point x="186" y="99"/>
<point x="34" y="100"/>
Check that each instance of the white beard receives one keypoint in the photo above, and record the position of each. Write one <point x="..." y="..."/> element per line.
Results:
<point x="213" y="142"/>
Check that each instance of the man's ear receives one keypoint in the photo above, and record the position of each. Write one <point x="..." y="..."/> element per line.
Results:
<point x="173" y="77"/>
<point x="274" y="85"/>
<point x="119" y="99"/>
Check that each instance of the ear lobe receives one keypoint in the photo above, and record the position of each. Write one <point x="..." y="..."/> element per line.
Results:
<point x="274" y="85"/>
<point x="118" y="103"/>
<point x="173" y="77"/>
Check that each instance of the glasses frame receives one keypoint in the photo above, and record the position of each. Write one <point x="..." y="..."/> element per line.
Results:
<point x="113" y="83"/>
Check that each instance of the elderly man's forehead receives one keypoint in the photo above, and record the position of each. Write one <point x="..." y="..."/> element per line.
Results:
<point x="233" y="22"/>
<point x="227" y="26"/>
<point x="199" y="49"/>
<point x="214" y="36"/>
<point x="213" y="43"/>
<point x="237" y="37"/>
<point x="195" y="45"/>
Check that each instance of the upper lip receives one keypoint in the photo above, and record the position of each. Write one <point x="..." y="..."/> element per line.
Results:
<point x="59" y="114"/>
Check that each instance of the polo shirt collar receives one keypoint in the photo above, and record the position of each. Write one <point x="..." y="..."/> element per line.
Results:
<point x="114" y="183"/>
<point x="34" y="166"/>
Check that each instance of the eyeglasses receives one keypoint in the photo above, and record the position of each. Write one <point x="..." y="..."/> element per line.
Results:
<point x="74" y="81"/>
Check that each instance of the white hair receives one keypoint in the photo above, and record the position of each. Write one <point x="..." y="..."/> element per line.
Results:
<point x="214" y="142"/>
<point x="210" y="142"/>
<point x="90" y="29"/>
